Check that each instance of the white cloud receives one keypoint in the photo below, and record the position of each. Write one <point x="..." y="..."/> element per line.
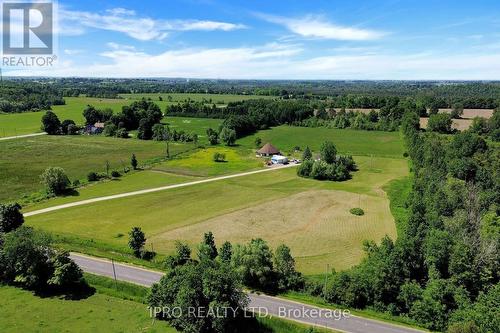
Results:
<point x="72" y="51"/>
<point x="316" y="27"/>
<point x="280" y="61"/>
<point x="128" y="22"/>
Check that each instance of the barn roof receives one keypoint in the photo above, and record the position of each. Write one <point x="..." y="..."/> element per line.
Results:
<point x="268" y="149"/>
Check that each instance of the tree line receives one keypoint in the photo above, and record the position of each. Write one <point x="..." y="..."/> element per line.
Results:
<point x="443" y="270"/>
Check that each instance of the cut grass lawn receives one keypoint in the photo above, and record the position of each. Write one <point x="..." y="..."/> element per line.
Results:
<point x="163" y="213"/>
<point x="23" y="160"/>
<point x="347" y="141"/>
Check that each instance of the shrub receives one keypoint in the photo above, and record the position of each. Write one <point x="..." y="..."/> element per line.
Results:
<point x="133" y="162"/>
<point x="357" y="211"/>
<point x="55" y="180"/>
<point x="219" y="157"/>
<point x="110" y="129"/>
<point x="121" y="133"/>
<point x="72" y="129"/>
<point x="115" y="174"/>
<point x="258" y="142"/>
<point x="92" y="176"/>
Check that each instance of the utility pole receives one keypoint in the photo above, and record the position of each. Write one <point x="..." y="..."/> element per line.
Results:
<point x="114" y="272"/>
<point x="326" y="275"/>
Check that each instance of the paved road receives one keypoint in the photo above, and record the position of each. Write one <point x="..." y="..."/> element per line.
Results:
<point x="21" y="136"/>
<point x="273" y="306"/>
<point x="156" y="189"/>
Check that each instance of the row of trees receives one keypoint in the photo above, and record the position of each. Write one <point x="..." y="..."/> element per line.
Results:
<point x="443" y="270"/>
<point x="215" y="280"/>
<point x="27" y="258"/>
<point x="53" y="126"/>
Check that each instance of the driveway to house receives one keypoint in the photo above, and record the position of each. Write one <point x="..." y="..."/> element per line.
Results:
<point x="156" y="189"/>
<point x="272" y="306"/>
<point x="22" y="136"/>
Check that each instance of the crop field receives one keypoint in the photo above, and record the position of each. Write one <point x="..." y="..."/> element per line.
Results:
<point x="163" y="215"/>
<point x="23" y="160"/>
<point x="347" y="141"/>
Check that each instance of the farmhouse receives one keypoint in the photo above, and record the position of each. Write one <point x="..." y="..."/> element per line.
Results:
<point x="268" y="150"/>
<point x="97" y="128"/>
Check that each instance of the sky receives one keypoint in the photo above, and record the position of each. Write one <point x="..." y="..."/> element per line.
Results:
<point x="323" y="39"/>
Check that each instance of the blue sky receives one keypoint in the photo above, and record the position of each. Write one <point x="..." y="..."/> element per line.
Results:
<point x="386" y="39"/>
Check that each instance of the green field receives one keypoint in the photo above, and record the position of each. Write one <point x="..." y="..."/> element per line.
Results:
<point x="347" y="141"/>
<point x="218" y="99"/>
<point x="29" y="122"/>
<point x="184" y="213"/>
<point x="23" y="160"/>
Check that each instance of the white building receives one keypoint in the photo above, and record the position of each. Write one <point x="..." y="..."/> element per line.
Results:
<point x="279" y="159"/>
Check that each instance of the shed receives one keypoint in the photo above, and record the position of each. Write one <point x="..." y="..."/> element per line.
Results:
<point x="268" y="150"/>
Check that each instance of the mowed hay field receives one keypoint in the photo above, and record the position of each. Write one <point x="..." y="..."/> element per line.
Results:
<point x="23" y="160"/>
<point x="163" y="214"/>
<point x="317" y="225"/>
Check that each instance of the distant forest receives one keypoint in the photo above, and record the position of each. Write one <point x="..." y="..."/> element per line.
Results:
<point x="33" y="94"/>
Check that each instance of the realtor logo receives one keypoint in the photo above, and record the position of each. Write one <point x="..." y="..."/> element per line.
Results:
<point x="28" y="28"/>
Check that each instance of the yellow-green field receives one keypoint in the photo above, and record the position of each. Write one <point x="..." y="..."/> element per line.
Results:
<point x="201" y="163"/>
